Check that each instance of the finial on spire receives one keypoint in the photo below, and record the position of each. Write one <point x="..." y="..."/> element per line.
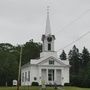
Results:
<point x="48" y="27"/>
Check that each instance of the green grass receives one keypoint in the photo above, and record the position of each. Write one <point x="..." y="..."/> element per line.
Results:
<point x="39" y="88"/>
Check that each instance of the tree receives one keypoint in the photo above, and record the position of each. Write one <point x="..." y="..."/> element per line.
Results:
<point x="80" y="67"/>
<point x="85" y="68"/>
<point x="8" y="64"/>
<point x="86" y="76"/>
<point x="31" y="50"/>
<point x="74" y="57"/>
<point x="85" y="57"/>
<point x="9" y="59"/>
<point x="63" y="55"/>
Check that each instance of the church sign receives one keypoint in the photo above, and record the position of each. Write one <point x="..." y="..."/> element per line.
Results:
<point x="14" y="82"/>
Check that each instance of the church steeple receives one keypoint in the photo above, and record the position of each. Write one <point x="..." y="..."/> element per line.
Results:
<point x="48" y="27"/>
<point x="48" y="38"/>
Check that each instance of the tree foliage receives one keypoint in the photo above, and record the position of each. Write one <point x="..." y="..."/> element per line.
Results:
<point x="85" y="57"/>
<point x="63" y="55"/>
<point x="80" y="67"/>
<point x="74" y="58"/>
<point x="31" y="50"/>
<point x="9" y="59"/>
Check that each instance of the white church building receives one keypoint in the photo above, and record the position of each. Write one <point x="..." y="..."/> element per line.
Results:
<point x="49" y="67"/>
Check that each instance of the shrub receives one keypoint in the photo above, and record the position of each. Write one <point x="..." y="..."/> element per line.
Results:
<point x="67" y="84"/>
<point x="35" y="84"/>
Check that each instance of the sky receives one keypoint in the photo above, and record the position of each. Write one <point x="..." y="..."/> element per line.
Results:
<point x="22" y="20"/>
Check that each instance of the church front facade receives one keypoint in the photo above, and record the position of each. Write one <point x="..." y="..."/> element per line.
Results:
<point x="48" y="68"/>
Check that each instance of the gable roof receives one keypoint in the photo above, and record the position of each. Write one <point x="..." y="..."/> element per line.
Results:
<point x="42" y="60"/>
<point x="52" y="58"/>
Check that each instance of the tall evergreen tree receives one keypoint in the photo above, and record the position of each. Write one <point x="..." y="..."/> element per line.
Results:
<point x="85" y="57"/>
<point x="63" y="55"/>
<point x="85" y="68"/>
<point x="86" y="76"/>
<point x="74" y="57"/>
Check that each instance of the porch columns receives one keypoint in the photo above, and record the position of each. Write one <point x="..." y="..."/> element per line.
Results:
<point x="47" y="76"/>
<point x="55" y="77"/>
<point x="62" y="78"/>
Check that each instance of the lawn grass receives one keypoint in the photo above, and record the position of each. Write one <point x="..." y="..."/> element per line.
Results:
<point x="39" y="88"/>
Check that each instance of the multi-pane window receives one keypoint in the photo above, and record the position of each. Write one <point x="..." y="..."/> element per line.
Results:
<point x="28" y="75"/>
<point x="50" y="75"/>
<point x="25" y="76"/>
<point x="51" y="62"/>
<point x="22" y="77"/>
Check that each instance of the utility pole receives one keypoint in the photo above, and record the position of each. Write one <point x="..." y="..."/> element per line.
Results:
<point x="19" y="72"/>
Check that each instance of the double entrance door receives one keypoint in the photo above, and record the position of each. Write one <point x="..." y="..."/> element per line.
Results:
<point x="51" y="75"/>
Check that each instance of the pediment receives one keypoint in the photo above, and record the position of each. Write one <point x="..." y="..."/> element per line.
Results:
<point x="56" y="62"/>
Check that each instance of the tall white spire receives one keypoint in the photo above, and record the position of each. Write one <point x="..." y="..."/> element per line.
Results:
<point x="48" y="27"/>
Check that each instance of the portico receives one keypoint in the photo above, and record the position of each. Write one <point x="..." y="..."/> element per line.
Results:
<point x="51" y="75"/>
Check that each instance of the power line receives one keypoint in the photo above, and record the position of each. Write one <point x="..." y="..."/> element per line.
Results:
<point x="74" y="41"/>
<point x="79" y="17"/>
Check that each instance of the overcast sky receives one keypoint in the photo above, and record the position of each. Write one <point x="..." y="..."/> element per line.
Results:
<point x="22" y="20"/>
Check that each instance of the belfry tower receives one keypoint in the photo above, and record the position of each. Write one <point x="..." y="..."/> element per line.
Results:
<point x="48" y="38"/>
